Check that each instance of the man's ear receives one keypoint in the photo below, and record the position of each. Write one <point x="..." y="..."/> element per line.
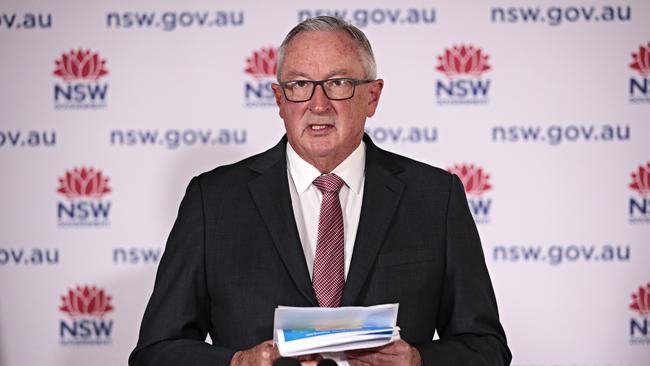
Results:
<point x="279" y="98"/>
<point x="374" y="92"/>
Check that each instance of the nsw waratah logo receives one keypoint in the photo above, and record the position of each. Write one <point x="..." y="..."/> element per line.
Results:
<point x="87" y="322"/>
<point x="84" y="190"/>
<point x="261" y="68"/>
<point x="639" y="203"/>
<point x="463" y="67"/>
<point x="476" y="184"/>
<point x="640" y="80"/>
<point x="79" y="85"/>
<point x="640" y="322"/>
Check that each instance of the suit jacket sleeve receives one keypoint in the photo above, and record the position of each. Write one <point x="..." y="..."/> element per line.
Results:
<point x="468" y="320"/>
<point x="177" y="318"/>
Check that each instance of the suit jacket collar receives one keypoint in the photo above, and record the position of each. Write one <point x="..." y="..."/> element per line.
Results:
<point x="270" y="191"/>
<point x="381" y="196"/>
<point x="382" y="192"/>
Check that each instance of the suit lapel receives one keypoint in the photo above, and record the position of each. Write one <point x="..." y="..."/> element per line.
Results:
<point x="270" y="191"/>
<point x="382" y="192"/>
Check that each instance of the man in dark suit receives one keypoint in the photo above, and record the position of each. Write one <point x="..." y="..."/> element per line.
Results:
<point x="249" y="236"/>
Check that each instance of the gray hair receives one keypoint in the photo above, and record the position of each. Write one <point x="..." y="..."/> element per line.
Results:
<point x="332" y="24"/>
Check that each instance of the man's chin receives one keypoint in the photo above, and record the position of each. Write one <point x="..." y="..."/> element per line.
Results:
<point x="320" y="153"/>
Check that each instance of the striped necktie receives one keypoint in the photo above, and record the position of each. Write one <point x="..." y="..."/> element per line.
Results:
<point x="329" y="263"/>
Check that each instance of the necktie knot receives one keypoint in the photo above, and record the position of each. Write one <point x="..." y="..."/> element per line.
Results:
<point x="329" y="183"/>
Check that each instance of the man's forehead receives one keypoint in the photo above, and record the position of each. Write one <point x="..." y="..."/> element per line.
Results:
<point x="333" y="53"/>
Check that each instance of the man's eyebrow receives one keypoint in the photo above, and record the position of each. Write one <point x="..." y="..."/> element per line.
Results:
<point x="291" y="75"/>
<point x="339" y="72"/>
<point x="294" y="74"/>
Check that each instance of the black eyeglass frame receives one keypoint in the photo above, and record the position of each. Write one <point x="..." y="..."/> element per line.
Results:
<point x="316" y="83"/>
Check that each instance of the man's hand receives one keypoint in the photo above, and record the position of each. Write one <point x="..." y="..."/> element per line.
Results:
<point x="396" y="353"/>
<point x="264" y="354"/>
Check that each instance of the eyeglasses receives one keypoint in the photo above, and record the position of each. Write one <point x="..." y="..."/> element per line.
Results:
<point x="335" y="89"/>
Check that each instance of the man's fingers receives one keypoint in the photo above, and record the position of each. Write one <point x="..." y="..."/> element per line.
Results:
<point x="357" y="362"/>
<point x="396" y="353"/>
<point x="312" y="357"/>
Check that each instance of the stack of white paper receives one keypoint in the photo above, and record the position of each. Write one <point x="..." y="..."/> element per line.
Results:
<point x="300" y="331"/>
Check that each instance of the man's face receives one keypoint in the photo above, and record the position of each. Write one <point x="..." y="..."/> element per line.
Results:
<point x="324" y="132"/>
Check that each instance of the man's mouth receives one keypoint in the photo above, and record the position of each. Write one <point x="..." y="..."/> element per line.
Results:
<point x="319" y="127"/>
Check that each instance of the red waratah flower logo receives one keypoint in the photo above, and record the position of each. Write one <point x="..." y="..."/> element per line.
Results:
<point x="84" y="182"/>
<point x="460" y="60"/>
<point x="641" y="180"/>
<point x="473" y="178"/>
<point x="642" y="60"/>
<point x="641" y="300"/>
<point x="80" y="64"/>
<point x="86" y="300"/>
<point x="263" y="63"/>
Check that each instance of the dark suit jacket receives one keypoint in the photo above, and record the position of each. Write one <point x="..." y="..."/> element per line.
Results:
<point x="234" y="255"/>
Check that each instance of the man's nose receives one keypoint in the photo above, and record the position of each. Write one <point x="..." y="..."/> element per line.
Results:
<point x="319" y="102"/>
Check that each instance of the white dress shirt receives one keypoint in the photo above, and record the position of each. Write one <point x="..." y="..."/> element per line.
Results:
<point x="306" y="200"/>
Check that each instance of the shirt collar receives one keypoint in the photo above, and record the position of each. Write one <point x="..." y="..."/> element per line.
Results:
<point x="351" y="170"/>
